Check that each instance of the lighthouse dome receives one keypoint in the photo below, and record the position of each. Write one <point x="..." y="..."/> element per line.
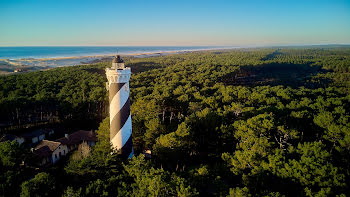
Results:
<point x="117" y="59"/>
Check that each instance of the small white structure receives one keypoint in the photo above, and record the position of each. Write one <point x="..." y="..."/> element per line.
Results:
<point x="50" y="151"/>
<point x="19" y="140"/>
<point x="37" y="136"/>
<point x="10" y="137"/>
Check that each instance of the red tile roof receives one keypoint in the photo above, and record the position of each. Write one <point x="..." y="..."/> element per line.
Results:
<point x="45" y="148"/>
<point x="78" y="137"/>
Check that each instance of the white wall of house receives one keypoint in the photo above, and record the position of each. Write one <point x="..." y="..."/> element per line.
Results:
<point x="35" y="140"/>
<point x="45" y="160"/>
<point x="91" y="143"/>
<point x="19" y="140"/>
<point x="72" y="147"/>
<point x="41" y="137"/>
<point x="59" y="152"/>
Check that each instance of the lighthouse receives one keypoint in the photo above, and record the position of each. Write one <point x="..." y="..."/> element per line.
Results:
<point x="119" y="107"/>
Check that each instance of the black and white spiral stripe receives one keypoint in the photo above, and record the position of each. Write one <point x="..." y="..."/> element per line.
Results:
<point x="120" y="118"/>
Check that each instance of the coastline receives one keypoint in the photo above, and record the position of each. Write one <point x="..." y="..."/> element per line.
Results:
<point x="12" y="66"/>
<point x="122" y="54"/>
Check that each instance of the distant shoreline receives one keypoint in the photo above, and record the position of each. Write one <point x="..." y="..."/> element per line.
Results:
<point x="42" y="52"/>
<point x="11" y="66"/>
<point x="122" y="54"/>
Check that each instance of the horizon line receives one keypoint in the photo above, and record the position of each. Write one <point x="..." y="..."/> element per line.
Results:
<point x="240" y="46"/>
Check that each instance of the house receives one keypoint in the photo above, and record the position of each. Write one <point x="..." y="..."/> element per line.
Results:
<point x="147" y="153"/>
<point x="37" y="136"/>
<point x="10" y="137"/>
<point x="49" y="152"/>
<point x="73" y="140"/>
<point x="20" y="70"/>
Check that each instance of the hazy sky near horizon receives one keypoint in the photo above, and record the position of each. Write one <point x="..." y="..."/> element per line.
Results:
<point x="175" y="23"/>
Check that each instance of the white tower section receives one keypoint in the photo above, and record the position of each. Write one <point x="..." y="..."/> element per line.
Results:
<point x="119" y="107"/>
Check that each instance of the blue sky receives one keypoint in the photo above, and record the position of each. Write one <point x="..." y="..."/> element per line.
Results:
<point x="173" y="22"/>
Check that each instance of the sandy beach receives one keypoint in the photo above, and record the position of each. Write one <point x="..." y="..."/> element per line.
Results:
<point x="9" y="66"/>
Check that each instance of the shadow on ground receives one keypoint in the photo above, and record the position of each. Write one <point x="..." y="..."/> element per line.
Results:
<point x="293" y="75"/>
<point x="143" y="66"/>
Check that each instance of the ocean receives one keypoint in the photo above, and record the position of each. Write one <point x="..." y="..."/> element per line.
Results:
<point x="72" y="51"/>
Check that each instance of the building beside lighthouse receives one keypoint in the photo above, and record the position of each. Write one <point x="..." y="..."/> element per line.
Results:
<point x="118" y="77"/>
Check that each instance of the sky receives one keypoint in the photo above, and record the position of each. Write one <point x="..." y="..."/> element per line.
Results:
<point x="173" y="22"/>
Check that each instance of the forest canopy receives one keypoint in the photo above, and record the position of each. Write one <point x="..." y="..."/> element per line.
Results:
<point x="248" y="122"/>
